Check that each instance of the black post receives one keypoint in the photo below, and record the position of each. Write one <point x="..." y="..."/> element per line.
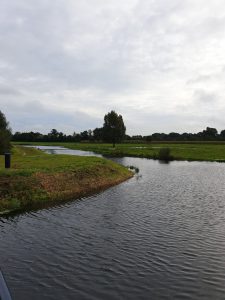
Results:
<point x="7" y="160"/>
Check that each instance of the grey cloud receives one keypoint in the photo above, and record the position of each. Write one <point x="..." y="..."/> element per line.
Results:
<point x="88" y="57"/>
<point x="30" y="115"/>
<point x="169" y="122"/>
<point x="7" y="90"/>
<point x="204" y="97"/>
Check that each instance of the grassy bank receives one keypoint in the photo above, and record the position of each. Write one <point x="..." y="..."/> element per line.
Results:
<point x="36" y="177"/>
<point x="202" y="151"/>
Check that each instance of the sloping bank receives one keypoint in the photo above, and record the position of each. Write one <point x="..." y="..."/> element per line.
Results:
<point x="38" y="178"/>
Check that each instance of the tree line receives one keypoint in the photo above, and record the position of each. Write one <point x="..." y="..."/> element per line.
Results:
<point x="112" y="131"/>
<point x="208" y="134"/>
<point x="100" y="135"/>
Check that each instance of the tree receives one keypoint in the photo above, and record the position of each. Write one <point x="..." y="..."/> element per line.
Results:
<point x="98" y="134"/>
<point x="5" y="134"/>
<point x="222" y="134"/>
<point x="53" y="135"/>
<point x="114" y="129"/>
<point x="209" y="133"/>
<point x="84" y="135"/>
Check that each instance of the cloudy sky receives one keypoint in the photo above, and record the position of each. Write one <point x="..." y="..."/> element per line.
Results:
<point x="160" y="63"/>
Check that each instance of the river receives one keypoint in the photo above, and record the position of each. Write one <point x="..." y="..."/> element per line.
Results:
<point x="159" y="235"/>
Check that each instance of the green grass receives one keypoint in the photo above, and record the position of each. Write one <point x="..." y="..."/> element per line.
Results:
<point x="201" y="151"/>
<point x="36" y="177"/>
<point x="30" y="160"/>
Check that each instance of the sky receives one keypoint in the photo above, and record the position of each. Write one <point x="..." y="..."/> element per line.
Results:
<point x="64" y="64"/>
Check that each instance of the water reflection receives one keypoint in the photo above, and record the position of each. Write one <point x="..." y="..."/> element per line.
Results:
<point x="62" y="150"/>
<point x="164" y="162"/>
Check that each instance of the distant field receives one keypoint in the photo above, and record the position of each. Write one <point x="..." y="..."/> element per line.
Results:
<point x="206" y="151"/>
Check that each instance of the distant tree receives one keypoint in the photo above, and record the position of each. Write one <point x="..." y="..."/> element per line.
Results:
<point x="173" y="136"/>
<point x="127" y="137"/>
<point x="137" y="137"/>
<point x="159" y="136"/>
<point x="98" y="134"/>
<point x="222" y="134"/>
<point x="114" y="129"/>
<point x="76" y="137"/>
<point x="90" y="135"/>
<point x="28" y="136"/>
<point x="186" y="136"/>
<point x="53" y="135"/>
<point x="148" y="138"/>
<point x="84" y="135"/>
<point x="5" y="134"/>
<point x="209" y="133"/>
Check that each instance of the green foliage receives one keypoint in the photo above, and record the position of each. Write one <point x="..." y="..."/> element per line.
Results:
<point x="133" y="168"/>
<point x="114" y="129"/>
<point x="14" y="204"/>
<point x="209" y="134"/>
<point x="5" y="134"/>
<point x="164" y="154"/>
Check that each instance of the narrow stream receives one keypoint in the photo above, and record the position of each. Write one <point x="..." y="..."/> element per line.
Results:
<point x="63" y="150"/>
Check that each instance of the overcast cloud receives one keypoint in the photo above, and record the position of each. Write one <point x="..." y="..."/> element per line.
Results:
<point x="159" y="63"/>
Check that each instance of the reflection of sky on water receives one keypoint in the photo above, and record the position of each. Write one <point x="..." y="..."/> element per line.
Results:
<point x="62" y="150"/>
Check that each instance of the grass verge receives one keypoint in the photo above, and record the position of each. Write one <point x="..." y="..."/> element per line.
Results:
<point x="36" y="178"/>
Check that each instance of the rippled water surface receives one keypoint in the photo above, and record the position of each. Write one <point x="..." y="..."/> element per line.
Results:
<point x="159" y="235"/>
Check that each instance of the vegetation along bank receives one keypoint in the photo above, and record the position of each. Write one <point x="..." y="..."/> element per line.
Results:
<point x="199" y="151"/>
<point x="37" y="178"/>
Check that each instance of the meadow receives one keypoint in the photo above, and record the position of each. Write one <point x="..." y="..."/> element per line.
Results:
<point x="36" y="177"/>
<point x="199" y="151"/>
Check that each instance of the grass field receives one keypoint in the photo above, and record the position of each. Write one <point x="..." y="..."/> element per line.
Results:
<point x="202" y="151"/>
<point x="37" y="177"/>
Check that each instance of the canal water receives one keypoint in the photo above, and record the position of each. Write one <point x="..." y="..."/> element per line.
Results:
<point x="159" y="235"/>
<point x="63" y="150"/>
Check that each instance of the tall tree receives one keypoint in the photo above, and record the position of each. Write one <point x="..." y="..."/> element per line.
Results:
<point x="5" y="134"/>
<point x="114" y="129"/>
<point x="222" y="134"/>
<point x="209" y="133"/>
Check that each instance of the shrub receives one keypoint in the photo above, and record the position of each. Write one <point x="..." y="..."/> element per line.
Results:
<point x="164" y="154"/>
<point x="133" y="168"/>
<point x="5" y="134"/>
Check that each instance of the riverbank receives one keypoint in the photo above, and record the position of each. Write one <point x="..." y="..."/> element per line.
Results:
<point x="38" y="178"/>
<point x="192" y="151"/>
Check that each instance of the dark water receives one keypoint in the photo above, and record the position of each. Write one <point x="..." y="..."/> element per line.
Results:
<point x="160" y="235"/>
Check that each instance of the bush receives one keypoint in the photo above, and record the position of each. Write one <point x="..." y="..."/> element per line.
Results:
<point x="133" y="168"/>
<point x="164" y="154"/>
<point x="5" y="134"/>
